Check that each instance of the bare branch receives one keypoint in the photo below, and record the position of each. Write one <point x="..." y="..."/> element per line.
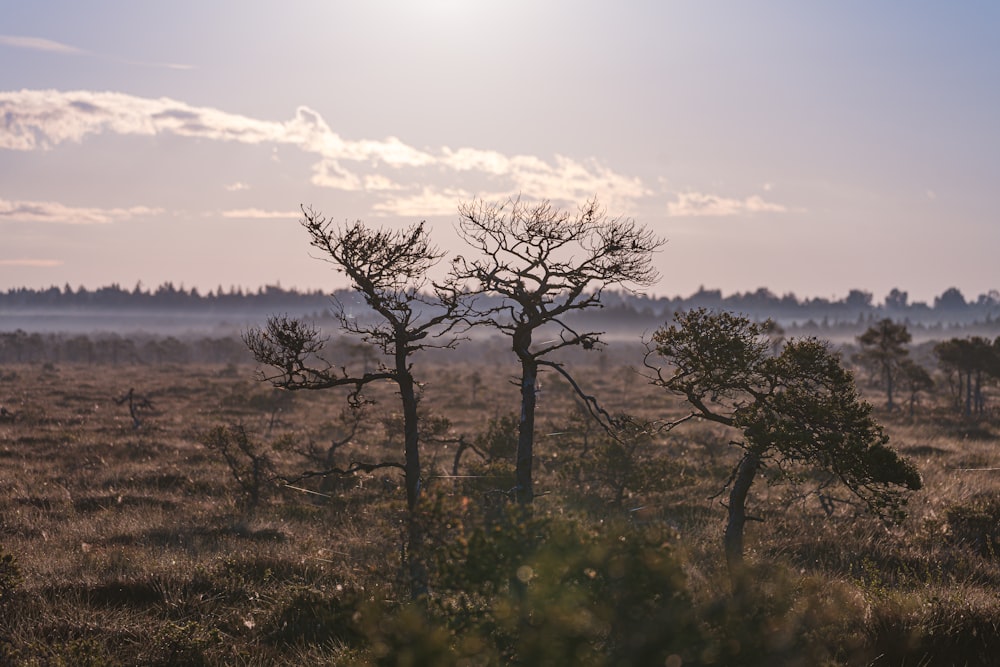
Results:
<point x="599" y="414"/>
<point x="354" y="468"/>
<point x="536" y="264"/>
<point x="135" y="405"/>
<point x="293" y="349"/>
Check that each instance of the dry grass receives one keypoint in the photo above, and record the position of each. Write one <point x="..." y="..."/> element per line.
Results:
<point x="131" y="548"/>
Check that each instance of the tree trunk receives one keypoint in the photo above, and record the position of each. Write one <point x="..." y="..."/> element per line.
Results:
<point x="745" y="473"/>
<point x="968" y="394"/>
<point x="526" y="431"/>
<point x="411" y="447"/>
<point x="419" y="586"/>
<point x="888" y="385"/>
<point x="411" y="442"/>
<point x="958" y="401"/>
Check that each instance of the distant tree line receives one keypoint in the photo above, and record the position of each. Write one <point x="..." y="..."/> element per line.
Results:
<point x="858" y="307"/>
<point x="856" y="310"/>
<point x="967" y="366"/>
<point x="21" y="347"/>
<point x="166" y="296"/>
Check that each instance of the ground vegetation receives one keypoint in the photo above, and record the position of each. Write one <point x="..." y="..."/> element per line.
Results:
<point x="123" y="546"/>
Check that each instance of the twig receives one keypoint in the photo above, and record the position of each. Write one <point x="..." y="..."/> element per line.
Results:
<point x="304" y="490"/>
<point x="354" y="468"/>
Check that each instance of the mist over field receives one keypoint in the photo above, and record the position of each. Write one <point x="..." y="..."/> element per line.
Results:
<point x="168" y="310"/>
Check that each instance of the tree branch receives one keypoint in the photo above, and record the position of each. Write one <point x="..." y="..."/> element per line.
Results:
<point x="354" y="468"/>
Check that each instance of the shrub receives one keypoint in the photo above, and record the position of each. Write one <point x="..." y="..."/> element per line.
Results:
<point x="545" y="590"/>
<point x="313" y="617"/>
<point x="780" y="618"/>
<point x="977" y="523"/>
<point x="10" y="577"/>
<point x="614" y="468"/>
<point x="250" y="466"/>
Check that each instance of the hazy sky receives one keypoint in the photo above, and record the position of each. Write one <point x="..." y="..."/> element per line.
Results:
<point x="811" y="147"/>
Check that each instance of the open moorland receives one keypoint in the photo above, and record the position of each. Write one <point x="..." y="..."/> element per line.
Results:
<point x="189" y="534"/>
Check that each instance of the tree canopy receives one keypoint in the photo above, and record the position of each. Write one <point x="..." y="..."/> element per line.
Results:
<point x="544" y="264"/>
<point x="800" y="406"/>
<point x="883" y="347"/>
<point x="389" y="269"/>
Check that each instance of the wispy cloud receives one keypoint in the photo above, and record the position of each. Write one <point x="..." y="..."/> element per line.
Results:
<point x="698" y="204"/>
<point x="54" y="212"/>
<point x="260" y="214"/>
<point x="237" y="187"/>
<point x="429" y="201"/>
<point x="36" y="263"/>
<point x="388" y="168"/>
<point x="50" y="46"/>
<point x="38" y="44"/>
<point x="143" y="63"/>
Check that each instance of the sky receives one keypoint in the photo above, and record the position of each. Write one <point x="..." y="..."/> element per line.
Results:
<point x="810" y="147"/>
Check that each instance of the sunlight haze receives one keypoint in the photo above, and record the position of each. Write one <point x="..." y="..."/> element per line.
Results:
<point x="804" y="147"/>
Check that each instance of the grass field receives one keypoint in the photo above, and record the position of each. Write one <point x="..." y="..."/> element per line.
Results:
<point x="131" y="546"/>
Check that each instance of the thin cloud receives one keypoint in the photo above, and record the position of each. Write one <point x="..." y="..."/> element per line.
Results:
<point x="428" y="202"/>
<point x="260" y="214"/>
<point x="142" y="63"/>
<point x="36" y="263"/>
<point x="50" y="46"/>
<point x="238" y="186"/>
<point x="43" y="119"/>
<point x="698" y="204"/>
<point x="54" y="212"/>
<point x="38" y="44"/>
<point x="375" y="182"/>
<point x="571" y="181"/>
<point x="564" y="179"/>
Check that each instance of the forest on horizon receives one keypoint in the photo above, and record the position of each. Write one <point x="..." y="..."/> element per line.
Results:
<point x="948" y="309"/>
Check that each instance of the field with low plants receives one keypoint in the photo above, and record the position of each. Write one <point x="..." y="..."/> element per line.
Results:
<point x="189" y="530"/>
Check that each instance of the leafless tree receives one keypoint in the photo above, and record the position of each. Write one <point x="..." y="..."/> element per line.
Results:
<point x="389" y="269"/>
<point x="541" y="265"/>
<point x="348" y="422"/>
<point x="251" y="468"/>
<point x="136" y="404"/>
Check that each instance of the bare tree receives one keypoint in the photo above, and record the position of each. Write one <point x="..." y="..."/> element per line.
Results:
<point x="248" y="463"/>
<point x="389" y="269"/>
<point x="136" y="404"/>
<point x="542" y="265"/>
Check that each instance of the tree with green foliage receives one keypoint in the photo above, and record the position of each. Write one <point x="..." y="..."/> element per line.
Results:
<point x="614" y="594"/>
<point x="973" y="359"/>
<point x="800" y="407"/>
<point x="389" y="270"/>
<point x="897" y="299"/>
<point x="541" y="265"/>
<point x="914" y="379"/>
<point x="883" y="348"/>
<point x="951" y="299"/>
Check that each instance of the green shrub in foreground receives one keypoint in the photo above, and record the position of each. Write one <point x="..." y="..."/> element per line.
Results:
<point x="542" y="590"/>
